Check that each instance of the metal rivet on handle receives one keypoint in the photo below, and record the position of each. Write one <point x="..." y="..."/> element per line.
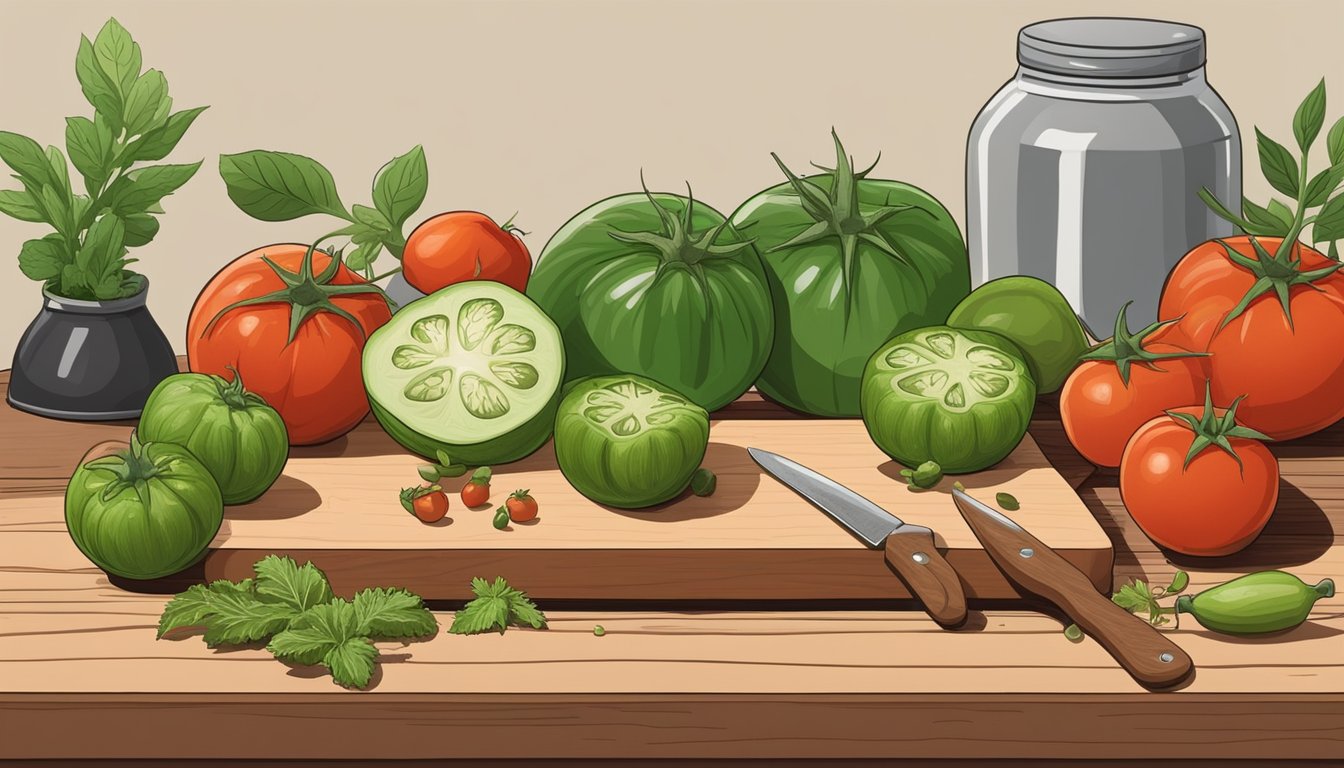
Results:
<point x="920" y="557"/>
<point x="1166" y="658"/>
<point x="1026" y="551"/>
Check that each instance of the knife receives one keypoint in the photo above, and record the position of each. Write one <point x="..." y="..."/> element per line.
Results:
<point x="1148" y="656"/>
<point x="909" y="549"/>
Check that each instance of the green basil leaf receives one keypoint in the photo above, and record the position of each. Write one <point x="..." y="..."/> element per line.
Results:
<point x="104" y="245"/>
<point x="21" y="205"/>
<point x="73" y="284"/>
<point x="98" y="88"/>
<point x="1216" y="206"/>
<point x="1310" y="117"/>
<point x="60" y="171"/>
<point x="1278" y="165"/>
<point x="1281" y="212"/>
<point x="1263" y="222"/>
<point x="279" y="186"/>
<point x="400" y="186"/>
<point x="157" y="142"/>
<point x="1322" y="185"/>
<point x="351" y="663"/>
<point x="363" y="255"/>
<point x="59" y="211"/>
<point x="41" y="259"/>
<point x="1329" y="222"/>
<point x="118" y="55"/>
<point x="146" y="97"/>
<point x="144" y="187"/>
<point x="140" y="229"/>
<point x="1334" y="142"/>
<point x="90" y="147"/>
<point x="371" y="218"/>
<point x="26" y="157"/>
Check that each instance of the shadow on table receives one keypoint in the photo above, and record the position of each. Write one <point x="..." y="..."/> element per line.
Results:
<point x="1298" y="533"/>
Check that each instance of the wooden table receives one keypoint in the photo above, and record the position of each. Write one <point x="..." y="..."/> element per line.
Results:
<point x="82" y="677"/>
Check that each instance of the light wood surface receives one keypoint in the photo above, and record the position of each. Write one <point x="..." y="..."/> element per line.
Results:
<point x="78" y="656"/>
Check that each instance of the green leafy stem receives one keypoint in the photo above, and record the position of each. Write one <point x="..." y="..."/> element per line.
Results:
<point x="85" y="256"/>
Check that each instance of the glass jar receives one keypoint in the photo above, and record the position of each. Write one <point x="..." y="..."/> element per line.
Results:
<point x="1084" y="170"/>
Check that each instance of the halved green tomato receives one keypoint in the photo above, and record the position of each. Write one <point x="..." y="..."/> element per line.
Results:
<point x="960" y="398"/>
<point x="473" y="370"/>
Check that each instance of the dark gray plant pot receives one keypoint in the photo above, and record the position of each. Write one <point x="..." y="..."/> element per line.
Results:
<point x="90" y="360"/>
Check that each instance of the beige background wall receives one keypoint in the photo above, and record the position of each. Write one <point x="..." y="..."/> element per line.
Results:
<point x="544" y="107"/>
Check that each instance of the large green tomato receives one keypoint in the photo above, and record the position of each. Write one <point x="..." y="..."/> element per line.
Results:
<point x="851" y="261"/>
<point x="660" y="286"/>
<point x="960" y="398"/>
<point x="629" y="442"/>
<point x="142" y="511"/>
<point x="234" y="433"/>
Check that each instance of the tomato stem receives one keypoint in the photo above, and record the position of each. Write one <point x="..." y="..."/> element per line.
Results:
<point x="1212" y="430"/>
<point x="678" y="243"/>
<point x="1125" y="348"/>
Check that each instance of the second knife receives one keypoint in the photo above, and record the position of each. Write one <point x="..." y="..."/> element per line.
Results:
<point x="909" y="549"/>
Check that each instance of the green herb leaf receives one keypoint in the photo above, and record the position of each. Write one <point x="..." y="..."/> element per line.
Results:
<point x="146" y="97"/>
<point x="481" y="476"/>
<point x="1278" y="165"/>
<point x="363" y="255"/>
<point x="335" y="619"/>
<point x="60" y="171"/>
<point x="1310" y="117"/>
<point x="1007" y="501"/>
<point x="158" y="142"/>
<point x="485" y="613"/>
<point x="375" y="222"/>
<point x="98" y="88"/>
<point x="1321" y="185"/>
<point x="90" y="146"/>
<point x="117" y="55"/>
<point x="524" y="611"/>
<point x="1179" y="581"/>
<point x="1264" y="222"/>
<point x="41" y="259"/>
<point x="195" y="606"/>
<point x="100" y="257"/>
<point x="300" y="588"/>
<point x="400" y="186"/>
<point x="26" y="157"/>
<point x="279" y="186"/>
<point x="140" y="229"/>
<point x="142" y="188"/>
<point x="59" y="212"/>
<point x="1219" y="209"/>
<point x="1133" y="597"/>
<point x="351" y="663"/>
<point x="1281" y="212"/>
<point x="1334" y="142"/>
<point x="301" y="646"/>
<point x="238" y="618"/>
<point x="392" y="613"/>
<point x="1329" y="221"/>
<point x="21" y="205"/>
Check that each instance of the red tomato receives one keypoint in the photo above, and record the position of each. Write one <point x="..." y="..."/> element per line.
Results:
<point x="314" y="379"/>
<point x="1100" y="410"/>
<point x="464" y="245"/>
<point x="429" y="503"/>
<point x="475" y="494"/>
<point x="522" y="507"/>
<point x="1213" y="506"/>
<point x="1291" y="373"/>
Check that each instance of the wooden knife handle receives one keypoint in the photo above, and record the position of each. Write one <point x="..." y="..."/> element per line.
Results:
<point x="1148" y="656"/>
<point x="911" y="553"/>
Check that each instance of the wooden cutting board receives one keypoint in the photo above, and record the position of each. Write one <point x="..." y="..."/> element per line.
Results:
<point x="754" y="539"/>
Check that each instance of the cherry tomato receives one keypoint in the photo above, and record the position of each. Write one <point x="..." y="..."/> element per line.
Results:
<point x="475" y="494"/>
<point x="1119" y="387"/>
<point x="521" y="506"/>
<point x="1213" y="503"/>
<point x="313" y="379"/>
<point x="429" y="503"/>
<point x="1252" y="352"/>
<point x="465" y="245"/>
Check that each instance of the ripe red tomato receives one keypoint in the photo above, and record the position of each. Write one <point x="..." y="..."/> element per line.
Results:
<point x="313" y="379"/>
<point x="1100" y="410"/>
<point x="522" y="507"/>
<point x="475" y="494"/>
<point x="1213" y="505"/>
<point x="1291" y="372"/>
<point x="427" y="502"/>
<point x="465" y="245"/>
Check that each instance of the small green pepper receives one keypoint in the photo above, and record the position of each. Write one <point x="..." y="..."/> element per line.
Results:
<point x="501" y="520"/>
<point x="1268" y="601"/>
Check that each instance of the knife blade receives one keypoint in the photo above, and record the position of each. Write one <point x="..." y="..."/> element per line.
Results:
<point x="1146" y="654"/>
<point x="909" y="549"/>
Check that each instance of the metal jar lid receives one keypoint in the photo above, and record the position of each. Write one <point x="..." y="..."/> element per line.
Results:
<point x="1111" y="47"/>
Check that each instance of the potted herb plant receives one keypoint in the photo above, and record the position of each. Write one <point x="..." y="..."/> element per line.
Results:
<point x="94" y="352"/>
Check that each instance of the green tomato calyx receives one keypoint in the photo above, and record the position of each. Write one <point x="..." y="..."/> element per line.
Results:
<point x="306" y="293"/>
<point x="1213" y="430"/>
<point x="838" y="213"/>
<point x="234" y="394"/>
<point x="1125" y="348"/>
<point x="678" y="243"/>
<point x="130" y="468"/>
<point x="1278" y="272"/>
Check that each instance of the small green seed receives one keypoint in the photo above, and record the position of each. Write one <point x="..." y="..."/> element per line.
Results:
<point x="1074" y="633"/>
<point x="703" y="482"/>
<point x="599" y="630"/>
<point x="926" y="475"/>
<point x="1008" y="501"/>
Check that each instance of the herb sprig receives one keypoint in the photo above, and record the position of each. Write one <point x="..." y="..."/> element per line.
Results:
<point x="496" y="607"/>
<point x="85" y="256"/>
